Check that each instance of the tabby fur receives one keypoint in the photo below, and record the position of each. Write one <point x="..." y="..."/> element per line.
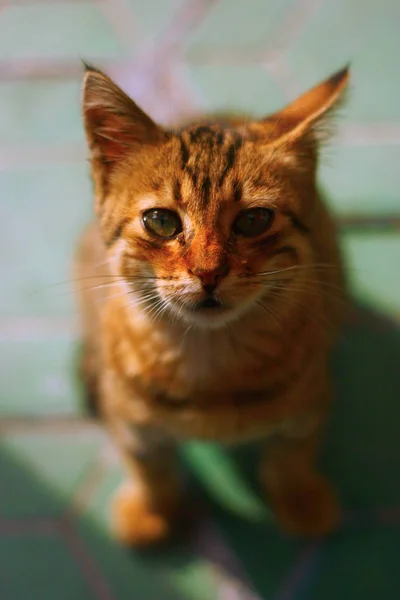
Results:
<point x="254" y="367"/>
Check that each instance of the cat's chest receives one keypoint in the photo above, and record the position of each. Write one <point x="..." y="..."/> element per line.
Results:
<point x="187" y="365"/>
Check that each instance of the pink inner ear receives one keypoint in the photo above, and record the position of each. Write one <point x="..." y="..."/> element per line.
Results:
<point x="311" y="104"/>
<point x="112" y="135"/>
<point x="308" y="108"/>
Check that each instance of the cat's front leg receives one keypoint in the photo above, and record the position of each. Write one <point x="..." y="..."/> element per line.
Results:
<point x="148" y="503"/>
<point x="302" y="499"/>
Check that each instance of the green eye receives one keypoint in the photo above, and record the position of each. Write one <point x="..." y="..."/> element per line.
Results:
<point x="162" y="222"/>
<point x="253" y="222"/>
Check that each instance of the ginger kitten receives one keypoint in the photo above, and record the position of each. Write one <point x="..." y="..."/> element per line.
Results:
<point x="212" y="278"/>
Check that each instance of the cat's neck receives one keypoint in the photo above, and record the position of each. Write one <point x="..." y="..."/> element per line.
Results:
<point x="227" y="339"/>
<point x="182" y="358"/>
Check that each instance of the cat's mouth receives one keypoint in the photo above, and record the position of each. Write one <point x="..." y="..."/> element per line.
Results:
<point x="210" y="303"/>
<point x="208" y="312"/>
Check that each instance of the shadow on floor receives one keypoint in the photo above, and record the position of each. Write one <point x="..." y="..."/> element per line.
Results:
<point x="48" y="552"/>
<point x="362" y="457"/>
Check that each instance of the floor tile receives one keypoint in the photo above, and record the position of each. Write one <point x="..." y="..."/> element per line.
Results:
<point x="361" y="179"/>
<point x="362" y="449"/>
<point x="173" y="573"/>
<point x="265" y="555"/>
<point x="152" y="18"/>
<point x="44" y="112"/>
<point x="40" y="567"/>
<point x="226" y="88"/>
<point x="218" y="472"/>
<point x="373" y="262"/>
<point x="238" y="25"/>
<point x="260" y="555"/>
<point x="45" y="210"/>
<point x="40" y="472"/>
<point x="341" y="32"/>
<point x="56" y="31"/>
<point x="38" y="377"/>
<point x="361" y="565"/>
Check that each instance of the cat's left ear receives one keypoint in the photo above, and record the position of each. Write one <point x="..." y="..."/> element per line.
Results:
<point x="308" y="112"/>
<point x="114" y="124"/>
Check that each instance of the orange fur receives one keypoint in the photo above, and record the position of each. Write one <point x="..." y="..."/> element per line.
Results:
<point x="165" y="366"/>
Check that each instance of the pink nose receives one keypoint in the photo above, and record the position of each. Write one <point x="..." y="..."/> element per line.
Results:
<point x="210" y="278"/>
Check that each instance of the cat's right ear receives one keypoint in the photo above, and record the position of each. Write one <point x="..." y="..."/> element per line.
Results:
<point x="309" y="113"/>
<point x="114" y="124"/>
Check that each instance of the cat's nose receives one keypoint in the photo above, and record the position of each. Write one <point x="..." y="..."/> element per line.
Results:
<point x="210" y="278"/>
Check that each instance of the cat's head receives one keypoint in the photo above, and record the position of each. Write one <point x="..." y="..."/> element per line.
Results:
<point x="206" y="222"/>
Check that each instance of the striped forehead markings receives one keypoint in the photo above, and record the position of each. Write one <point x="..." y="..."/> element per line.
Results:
<point x="208" y="138"/>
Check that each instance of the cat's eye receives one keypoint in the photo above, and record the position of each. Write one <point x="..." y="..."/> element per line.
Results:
<point x="253" y="222"/>
<point x="162" y="222"/>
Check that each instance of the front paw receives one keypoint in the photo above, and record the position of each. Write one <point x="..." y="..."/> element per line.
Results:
<point x="135" y="522"/>
<point x="310" y="509"/>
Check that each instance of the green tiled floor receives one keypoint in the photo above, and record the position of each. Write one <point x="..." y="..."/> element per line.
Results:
<point x="46" y="386"/>
<point x="57" y="474"/>
<point x="48" y="555"/>
<point x="360" y="32"/>
<point x="362" y="180"/>
<point x="58" y="118"/>
<point x="239" y="25"/>
<point x="217" y="87"/>
<point x="56" y="30"/>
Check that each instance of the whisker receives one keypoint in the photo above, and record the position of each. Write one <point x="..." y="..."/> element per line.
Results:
<point x="159" y="308"/>
<point x="295" y="301"/>
<point x="315" y="284"/>
<point x="315" y="292"/>
<point x="267" y="310"/>
<point x="101" y="276"/>
<point x="311" y="266"/>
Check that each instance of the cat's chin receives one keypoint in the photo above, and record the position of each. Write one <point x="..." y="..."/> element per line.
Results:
<point x="207" y="315"/>
<point x="216" y="317"/>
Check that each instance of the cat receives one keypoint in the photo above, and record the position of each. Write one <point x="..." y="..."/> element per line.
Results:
<point x="212" y="292"/>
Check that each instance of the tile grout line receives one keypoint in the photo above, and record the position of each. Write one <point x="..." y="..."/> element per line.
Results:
<point x="229" y="591"/>
<point x="362" y="222"/>
<point x="26" y="327"/>
<point x="293" y="23"/>
<point x="35" y="155"/>
<point x="7" y="3"/>
<point x="85" y="561"/>
<point x="41" y="69"/>
<point x="157" y="66"/>
<point x="277" y="65"/>
<point x="74" y="424"/>
<point x="227" y="564"/>
<point x="86" y="487"/>
<point x="21" y="526"/>
<point x="50" y="525"/>
<point x="300" y="574"/>
<point x="187" y="18"/>
<point x="120" y="17"/>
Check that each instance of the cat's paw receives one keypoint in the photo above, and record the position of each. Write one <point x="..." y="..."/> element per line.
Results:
<point x="310" y="510"/>
<point x="133" y="520"/>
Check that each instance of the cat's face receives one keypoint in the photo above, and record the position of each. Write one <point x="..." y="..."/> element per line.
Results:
<point x="204" y="222"/>
<point x="207" y="223"/>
